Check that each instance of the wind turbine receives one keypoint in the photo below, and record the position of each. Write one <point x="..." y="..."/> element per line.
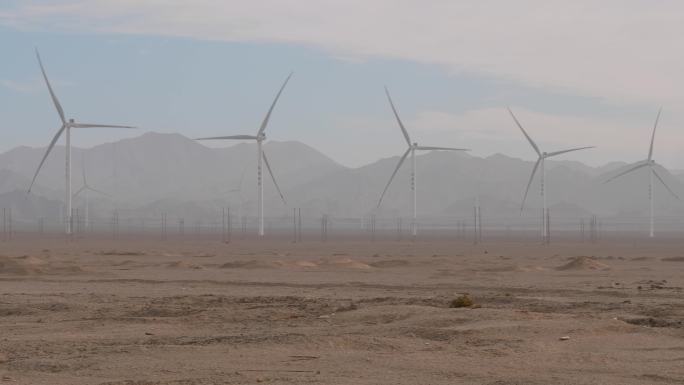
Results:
<point x="87" y="189"/>
<point x="261" y="156"/>
<point x="651" y="164"/>
<point x="541" y="160"/>
<point x="412" y="148"/>
<point x="238" y="190"/>
<point x="67" y="125"/>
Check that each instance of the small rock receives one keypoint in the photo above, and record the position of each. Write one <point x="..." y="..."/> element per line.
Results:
<point x="325" y="316"/>
<point x="564" y="338"/>
<point x="149" y="334"/>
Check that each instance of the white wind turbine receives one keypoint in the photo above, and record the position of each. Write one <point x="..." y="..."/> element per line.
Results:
<point x="541" y="160"/>
<point x="651" y="164"/>
<point x="261" y="156"/>
<point x="86" y="188"/>
<point x="412" y="147"/>
<point x="67" y="125"/>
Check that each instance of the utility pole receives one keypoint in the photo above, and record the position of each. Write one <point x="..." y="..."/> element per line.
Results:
<point x="294" y="225"/>
<point x="299" y="214"/>
<point x="326" y="221"/>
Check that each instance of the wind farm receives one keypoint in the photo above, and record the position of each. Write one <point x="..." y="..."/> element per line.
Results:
<point x="403" y="238"/>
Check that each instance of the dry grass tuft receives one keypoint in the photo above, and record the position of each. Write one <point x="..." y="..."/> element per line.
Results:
<point x="461" y="301"/>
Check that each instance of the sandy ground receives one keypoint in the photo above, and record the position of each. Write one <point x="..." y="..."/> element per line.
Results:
<point x="188" y="312"/>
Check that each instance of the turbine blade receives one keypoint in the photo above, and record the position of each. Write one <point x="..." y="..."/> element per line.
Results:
<point x="79" y="191"/>
<point x="401" y="161"/>
<point x="634" y="168"/>
<point x="270" y="110"/>
<point x="90" y="125"/>
<point x="570" y="150"/>
<point x="396" y="115"/>
<point x="665" y="184"/>
<point x="534" y="145"/>
<point x="527" y="190"/>
<point x="650" y="149"/>
<point x="232" y="137"/>
<point x="98" y="191"/>
<point x="428" y="148"/>
<point x="268" y="167"/>
<point x="55" y="101"/>
<point x="52" y="144"/>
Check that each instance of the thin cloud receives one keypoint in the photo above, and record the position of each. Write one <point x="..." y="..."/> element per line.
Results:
<point x="23" y="88"/>
<point x="610" y="49"/>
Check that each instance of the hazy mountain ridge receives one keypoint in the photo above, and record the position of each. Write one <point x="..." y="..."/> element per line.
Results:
<point x="156" y="173"/>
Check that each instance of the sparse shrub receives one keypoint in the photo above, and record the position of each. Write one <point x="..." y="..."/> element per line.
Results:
<point x="461" y="301"/>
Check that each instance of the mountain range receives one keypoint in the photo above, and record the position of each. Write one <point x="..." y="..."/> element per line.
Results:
<point x="169" y="173"/>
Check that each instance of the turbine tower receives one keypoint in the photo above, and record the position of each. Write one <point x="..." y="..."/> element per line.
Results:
<point x="412" y="148"/>
<point x="541" y="160"/>
<point x="87" y="189"/>
<point x="652" y="165"/>
<point x="261" y="156"/>
<point x="67" y="125"/>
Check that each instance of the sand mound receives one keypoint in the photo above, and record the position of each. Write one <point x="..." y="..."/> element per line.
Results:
<point x="127" y="262"/>
<point x="252" y="264"/>
<point x="183" y="265"/>
<point x="122" y="253"/>
<point x="27" y="265"/>
<point x="512" y="269"/>
<point x="306" y="264"/>
<point x="583" y="263"/>
<point x="673" y="259"/>
<point x="390" y="263"/>
<point x="21" y="265"/>
<point x="348" y="263"/>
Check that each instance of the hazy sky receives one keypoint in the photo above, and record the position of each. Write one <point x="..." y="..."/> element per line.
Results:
<point x="576" y="72"/>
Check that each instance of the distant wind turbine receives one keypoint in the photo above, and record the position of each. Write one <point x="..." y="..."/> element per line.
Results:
<point x="238" y="190"/>
<point x="86" y="188"/>
<point x="261" y="156"/>
<point x="541" y="160"/>
<point x="67" y="125"/>
<point x="412" y="147"/>
<point x="652" y="165"/>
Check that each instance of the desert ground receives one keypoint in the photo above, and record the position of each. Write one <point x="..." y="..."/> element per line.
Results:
<point x="184" y="311"/>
